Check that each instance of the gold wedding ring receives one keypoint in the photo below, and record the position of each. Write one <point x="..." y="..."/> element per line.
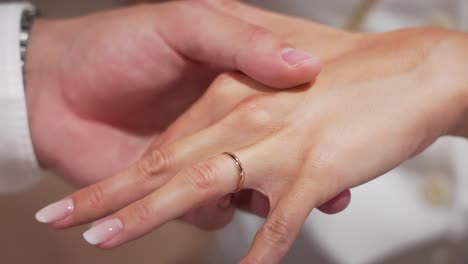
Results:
<point x="240" y="168"/>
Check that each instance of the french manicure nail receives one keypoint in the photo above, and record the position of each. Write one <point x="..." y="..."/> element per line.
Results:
<point x="55" y="212"/>
<point x="295" y="57"/>
<point x="97" y="222"/>
<point x="103" y="232"/>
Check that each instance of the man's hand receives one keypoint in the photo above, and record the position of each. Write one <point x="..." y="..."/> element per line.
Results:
<point x="101" y="88"/>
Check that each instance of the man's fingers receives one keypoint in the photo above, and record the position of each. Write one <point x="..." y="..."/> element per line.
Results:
<point x="243" y="11"/>
<point x="231" y="43"/>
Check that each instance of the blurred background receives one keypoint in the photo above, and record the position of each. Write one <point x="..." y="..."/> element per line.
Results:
<point x="25" y="241"/>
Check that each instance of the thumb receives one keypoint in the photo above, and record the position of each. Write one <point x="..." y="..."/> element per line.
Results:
<point x="208" y="36"/>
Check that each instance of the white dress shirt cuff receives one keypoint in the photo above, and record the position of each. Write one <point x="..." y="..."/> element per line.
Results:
<point x="19" y="168"/>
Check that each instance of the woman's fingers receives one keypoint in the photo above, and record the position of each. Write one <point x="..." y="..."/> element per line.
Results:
<point x="212" y="215"/>
<point x="193" y="186"/>
<point x="256" y="203"/>
<point x="142" y="178"/>
<point x="204" y="113"/>
<point x="102" y="198"/>
<point x="282" y="226"/>
<point x="148" y="174"/>
<point x="227" y="91"/>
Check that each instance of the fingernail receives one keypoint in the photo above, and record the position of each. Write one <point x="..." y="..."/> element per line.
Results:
<point x="296" y="57"/>
<point x="103" y="232"/>
<point x="56" y="211"/>
<point x="225" y="202"/>
<point x="97" y="222"/>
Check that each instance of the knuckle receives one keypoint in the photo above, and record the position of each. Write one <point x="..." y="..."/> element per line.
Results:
<point x="324" y="160"/>
<point x="256" y="34"/>
<point x="223" y="87"/>
<point x="327" y="172"/>
<point x="142" y="212"/>
<point x="276" y="232"/>
<point x="254" y="113"/>
<point x="95" y="195"/>
<point x="202" y="176"/>
<point x="153" y="164"/>
<point x="324" y="157"/>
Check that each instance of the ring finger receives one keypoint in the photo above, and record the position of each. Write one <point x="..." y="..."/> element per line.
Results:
<point x="193" y="186"/>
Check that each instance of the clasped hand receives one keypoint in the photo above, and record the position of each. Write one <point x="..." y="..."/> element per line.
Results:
<point x="380" y="100"/>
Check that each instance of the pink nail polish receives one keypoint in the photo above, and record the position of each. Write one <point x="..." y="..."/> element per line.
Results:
<point x="56" y="211"/>
<point x="103" y="232"/>
<point x="296" y="57"/>
<point x="97" y="222"/>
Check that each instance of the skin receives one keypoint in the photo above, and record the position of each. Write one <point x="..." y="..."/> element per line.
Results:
<point x="114" y="81"/>
<point x="380" y="100"/>
<point x="109" y="79"/>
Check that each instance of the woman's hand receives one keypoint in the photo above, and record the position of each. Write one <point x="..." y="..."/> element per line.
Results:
<point x="369" y="111"/>
<point x="98" y="79"/>
<point x="102" y="88"/>
<point x="381" y="100"/>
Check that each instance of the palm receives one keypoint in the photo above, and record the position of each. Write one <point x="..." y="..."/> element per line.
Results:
<point x="115" y="97"/>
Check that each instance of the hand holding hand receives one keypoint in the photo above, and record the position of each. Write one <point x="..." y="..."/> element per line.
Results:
<point x="102" y="88"/>
<point x="299" y="148"/>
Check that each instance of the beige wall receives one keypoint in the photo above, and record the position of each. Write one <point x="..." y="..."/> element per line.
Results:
<point x="24" y="241"/>
<point x="62" y="8"/>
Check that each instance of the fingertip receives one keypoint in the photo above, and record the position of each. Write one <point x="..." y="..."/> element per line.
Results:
<point x="103" y="234"/>
<point x="300" y="67"/>
<point x="296" y="58"/>
<point x="291" y="68"/>
<point x="55" y="212"/>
